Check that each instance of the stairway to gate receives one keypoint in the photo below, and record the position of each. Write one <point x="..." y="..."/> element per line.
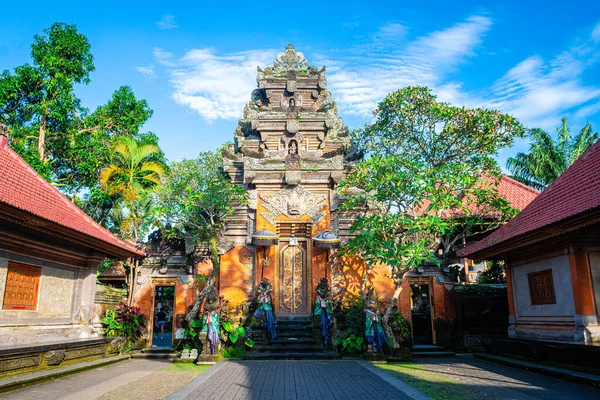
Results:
<point x="296" y="339"/>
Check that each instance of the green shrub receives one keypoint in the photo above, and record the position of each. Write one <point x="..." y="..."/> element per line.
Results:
<point x="350" y="318"/>
<point x="127" y="322"/>
<point x="401" y="329"/>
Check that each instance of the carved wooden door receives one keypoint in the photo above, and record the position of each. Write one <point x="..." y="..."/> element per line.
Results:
<point x="293" y="279"/>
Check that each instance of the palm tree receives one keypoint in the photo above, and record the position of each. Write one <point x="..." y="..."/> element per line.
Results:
<point x="133" y="171"/>
<point x="548" y="158"/>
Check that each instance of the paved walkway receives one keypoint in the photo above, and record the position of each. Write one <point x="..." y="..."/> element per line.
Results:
<point x="485" y="380"/>
<point x="295" y="379"/>
<point x="127" y="380"/>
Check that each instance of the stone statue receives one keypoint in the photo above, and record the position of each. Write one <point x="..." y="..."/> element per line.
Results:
<point x="210" y="309"/>
<point x="374" y="332"/>
<point x="265" y="306"/>
<point x="324" y="309"/>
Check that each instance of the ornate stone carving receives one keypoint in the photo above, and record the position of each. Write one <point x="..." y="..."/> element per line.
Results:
<point x="322" y="79"/>
<point x="291" y="86"/>
<point x="86" y="352"/>
<point x="290" y="60"/>
<point x="302" y="202"/>
<point x="19" y="362"/>
<point x="55" y="357"/>
<point x="292" y="125"/>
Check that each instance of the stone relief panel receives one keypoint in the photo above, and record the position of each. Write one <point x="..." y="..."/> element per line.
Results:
<point x="294" y="202"/>
<point x="56" y="292"/>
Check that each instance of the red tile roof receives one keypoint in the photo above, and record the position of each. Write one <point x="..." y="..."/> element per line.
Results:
<point x="117" y="270"/>
<point x="23" y="188"/>
<point x="516" y="193"/>
<point x="575" y="192"/>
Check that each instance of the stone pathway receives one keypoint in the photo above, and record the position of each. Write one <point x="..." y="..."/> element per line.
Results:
<point x="128" y="380"/>
<point x="477" y="379"/>
<point x="295" y="379"/>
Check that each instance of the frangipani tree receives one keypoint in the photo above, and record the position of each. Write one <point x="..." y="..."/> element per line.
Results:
<point x="430" y="178"/>
<point x="195" y="201"/>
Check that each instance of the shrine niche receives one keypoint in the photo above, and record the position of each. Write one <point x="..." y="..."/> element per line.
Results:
<point x="290" y="151"/>
<point x="541" y="287"/>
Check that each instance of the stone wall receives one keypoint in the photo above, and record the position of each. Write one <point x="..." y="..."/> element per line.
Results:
<point x="64" y="308"/>
<point x="561" y="274"/>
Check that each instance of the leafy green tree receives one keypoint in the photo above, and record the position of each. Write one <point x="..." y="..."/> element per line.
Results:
<point x="195" y="201"/>
<point x="38" y="101"/>
<point x="54" y="133"/>
<point x="548" y="158"/>
<point x="429" y="183"/>
<point x="133" y="172"/>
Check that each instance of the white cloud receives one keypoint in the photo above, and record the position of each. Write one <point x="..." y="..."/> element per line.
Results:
<point x="360" y="85"/>
<point x="596" y="33"/>
<point x="535" y="90"/>
<point x="214" y="85"/>
<point x="148" y="71"/>
<point x="167" y="22"/>
<point x="538" y="91"/>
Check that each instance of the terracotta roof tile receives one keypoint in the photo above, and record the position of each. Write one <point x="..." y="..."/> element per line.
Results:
<point x="516" y="193"/>
<point x="23" y="188"/>
<point x="117" y="270"/>
<point x="575" y="192"/>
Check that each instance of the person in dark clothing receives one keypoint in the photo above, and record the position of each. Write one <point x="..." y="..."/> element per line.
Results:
<point x="161" y="317"/>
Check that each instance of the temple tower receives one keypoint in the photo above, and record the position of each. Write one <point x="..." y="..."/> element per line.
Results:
<point x="290" y="151"/>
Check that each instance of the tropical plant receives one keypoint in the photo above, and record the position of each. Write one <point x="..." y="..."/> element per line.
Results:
<point x="135" y="169"/>
<point x="401" y="329"/>
<point x="350" y="344"/>
<point x="429" y="183"/>
<point x="350" y="319"/>
<point x="195" y="201"/>
<point x="547" y="158"/>
<point x="127" y="322"/>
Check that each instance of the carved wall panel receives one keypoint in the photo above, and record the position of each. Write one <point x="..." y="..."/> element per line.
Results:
<point x="293" y="279"/>
<point x="541" y="287"/>
<point x="294" y="203"/>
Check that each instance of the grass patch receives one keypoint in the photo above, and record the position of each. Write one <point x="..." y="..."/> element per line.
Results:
<point x="186" y="368"/>
<point x="433" y="384"/>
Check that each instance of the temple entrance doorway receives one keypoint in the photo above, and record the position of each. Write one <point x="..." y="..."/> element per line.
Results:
<point x="162" y="316"/>
<point x="293" y="278"/>
<point x="421" y="313"/>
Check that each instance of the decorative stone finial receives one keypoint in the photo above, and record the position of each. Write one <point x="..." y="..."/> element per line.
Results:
<point x="3" y="135"/>
<point x="290" y="59"/>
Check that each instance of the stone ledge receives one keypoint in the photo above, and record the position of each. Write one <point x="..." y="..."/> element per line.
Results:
<point x="561" y="373"/>
<point x="17" y="350"/>
<point x="19" y="381"/>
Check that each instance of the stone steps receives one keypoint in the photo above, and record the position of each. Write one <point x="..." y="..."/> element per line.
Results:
<point x="295" y="340"/>
<point x="320" y="355"/>
<point x="309" y="340"/>
<point x="291" y="348"/>
<point x="156" y="354"/>
<point x="426" y="350"/>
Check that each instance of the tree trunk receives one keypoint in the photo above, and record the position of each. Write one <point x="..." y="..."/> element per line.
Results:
<point x="363" y="286"/>
<point x="388" y="311"/>
<point x="213" y="247"/>
<point x="42" y="138"/>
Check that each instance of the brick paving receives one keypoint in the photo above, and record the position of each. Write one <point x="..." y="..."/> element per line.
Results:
<point x="128" y="380"/>
<point x="489" y="381"/>
<point x="292" y="379"/>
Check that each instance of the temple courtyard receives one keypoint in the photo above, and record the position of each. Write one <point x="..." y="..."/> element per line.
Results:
<point x="461" y="377"/>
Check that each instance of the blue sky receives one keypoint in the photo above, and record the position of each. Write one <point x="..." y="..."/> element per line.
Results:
<point x="196" y="63"/>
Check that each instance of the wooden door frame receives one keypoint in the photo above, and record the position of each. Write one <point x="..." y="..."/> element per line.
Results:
<point x="162" y="282"/>
<point x="429" y="282"/>
<point x="276" y="297"/>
